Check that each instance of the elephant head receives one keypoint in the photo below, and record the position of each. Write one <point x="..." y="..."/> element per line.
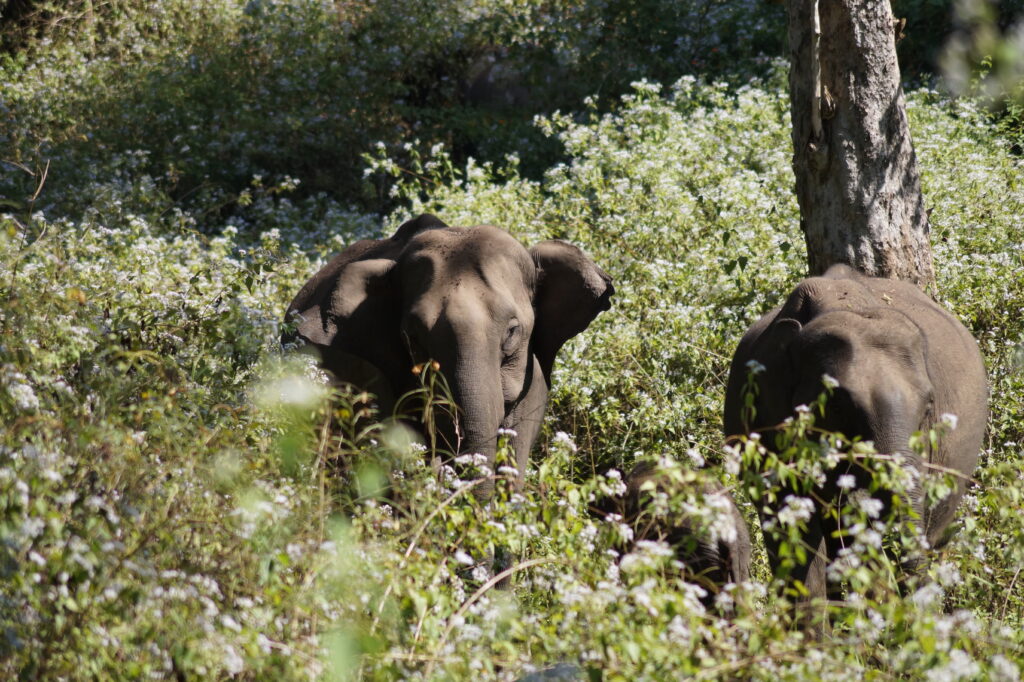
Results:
<point x="882" y="390"/>
<point x="491" y="313"/>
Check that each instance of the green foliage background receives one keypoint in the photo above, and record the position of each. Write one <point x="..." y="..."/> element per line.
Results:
<point x="180" y="500"/>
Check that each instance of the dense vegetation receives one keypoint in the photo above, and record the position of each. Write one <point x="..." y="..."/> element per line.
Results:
<point x="180" y="500"/>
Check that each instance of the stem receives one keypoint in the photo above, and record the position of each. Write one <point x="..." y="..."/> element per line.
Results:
<point x="415" y="539"/>
<point x="476" y="595"/>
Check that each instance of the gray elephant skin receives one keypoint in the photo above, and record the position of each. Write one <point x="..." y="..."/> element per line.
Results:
<point x="712" y="559"/>
<point x="492" y="313"/>
<point x="901" y="362"/>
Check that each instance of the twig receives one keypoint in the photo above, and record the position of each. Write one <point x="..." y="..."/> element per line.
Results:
<point x="475" y="596"/>
<point x="1009" y="593"/>
<point x="42" y="181"/>
<point x="873" y="455"/>
<point x="321" y="471"/>
<point x="21" y="166"/>
<point x="716" y="672"/>
<point x="415" y="539"/>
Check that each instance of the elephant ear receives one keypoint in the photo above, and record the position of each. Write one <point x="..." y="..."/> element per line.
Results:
<point x="779" y="378"/>
<point x="775" y="377"/>
<point x="571" y="291"/>
<point x="348" y="313"/>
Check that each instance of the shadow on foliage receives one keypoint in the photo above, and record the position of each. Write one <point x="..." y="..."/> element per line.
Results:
<point x="302" y="90"/>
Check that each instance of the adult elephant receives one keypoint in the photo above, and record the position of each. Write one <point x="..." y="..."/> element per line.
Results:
<point x="492" y="314"/>
<point x="901" y="362"/>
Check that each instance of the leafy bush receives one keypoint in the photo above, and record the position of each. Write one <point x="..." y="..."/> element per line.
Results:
<point x="202" y="96"/>
<point x="178" y="499"/>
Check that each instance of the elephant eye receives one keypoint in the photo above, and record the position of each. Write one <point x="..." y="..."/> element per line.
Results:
<point x="512" y="337"/>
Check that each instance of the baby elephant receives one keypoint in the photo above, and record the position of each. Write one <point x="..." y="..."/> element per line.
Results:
<point x="712" y="540"/>
<point x="901" y="362"/>
<point x="490" y="312"/>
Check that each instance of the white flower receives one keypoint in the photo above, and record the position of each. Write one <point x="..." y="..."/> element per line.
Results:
<point x="23" y="395"/>
<point x="797" y="509"/>
<point x="230" y="623"/>
<point x="869" y="505"/>
<point x="678" y="632"/>
<point x="846" y="481"/>
<point x="233" y="663"/>
<point x="755" y="367"/>
<point x="32" y="527"/>
<point x="655" y="548"/>
<point x="464" y="558"/>
<point x="947" y="574"/>
<point x="474" y="458"/>
<point x="960" y="667"/>
<point x="565" y="440"/>
<point x="829" y="381"/>
<point x="1003" y="670"/>
<point x="927" y="595"/>
<point x="642" y="596"/>
<point x="723" y="524"/>
<point x="732" y="459"/>
<point x="949" y="420"/>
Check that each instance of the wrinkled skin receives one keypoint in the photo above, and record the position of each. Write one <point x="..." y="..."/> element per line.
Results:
<point x="712" y="561"/>
<point x="492" y="314"/>
<point x="901" y="362"/>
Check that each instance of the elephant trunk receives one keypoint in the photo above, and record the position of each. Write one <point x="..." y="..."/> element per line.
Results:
<point x="481" y="409"/>
<point x="893" y="438"/>
<point x="470" y="361"/>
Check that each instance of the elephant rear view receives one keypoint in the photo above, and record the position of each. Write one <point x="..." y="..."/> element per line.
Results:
<point x="491" y="313"/>
<point x="901" y="362"/>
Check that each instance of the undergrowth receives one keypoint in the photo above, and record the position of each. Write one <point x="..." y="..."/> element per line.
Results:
<point x="180" y="499"/>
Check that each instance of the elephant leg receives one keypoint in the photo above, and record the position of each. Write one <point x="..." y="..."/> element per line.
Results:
<point x="809" y="611"/>
<point x="909" y="560"/>
<point x="502" y="560"/>
<point x="527" y="416"/>
<point x="812" y="612"/>
<point x="834" y="542"/>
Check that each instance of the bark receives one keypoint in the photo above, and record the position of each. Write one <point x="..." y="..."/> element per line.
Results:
<point x="857" y="178"/>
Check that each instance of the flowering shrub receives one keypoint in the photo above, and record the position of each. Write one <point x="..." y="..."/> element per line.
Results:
<point x="199" y="96"/>
<point x="178" y="499"/>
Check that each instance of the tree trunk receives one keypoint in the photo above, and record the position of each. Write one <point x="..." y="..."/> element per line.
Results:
<point x="856" y="173"/>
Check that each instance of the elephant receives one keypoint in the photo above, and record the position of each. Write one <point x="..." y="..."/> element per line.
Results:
<point x="492" y="313"/>
<point x="716" y="552"/>
<point x="901" y="362"/>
